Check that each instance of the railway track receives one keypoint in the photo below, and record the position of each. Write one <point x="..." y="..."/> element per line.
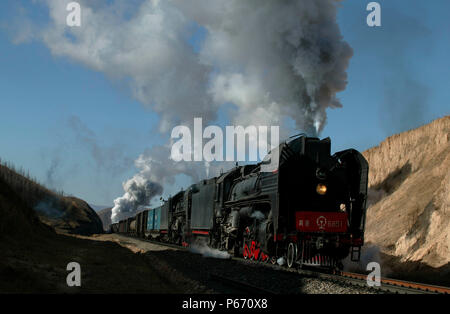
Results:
<point x="388" y="285"/>
<point x="395" y="283"/>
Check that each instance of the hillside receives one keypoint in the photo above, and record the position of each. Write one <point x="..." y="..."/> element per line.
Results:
<point x="98" y="208"/>
<point x="75" y="216"/>
<point x="408" y="217"/>
<point x="105" y="216"/>
<point x="65" y="214"/>
<point x="17" y="218"/>
<point x="34" y="257"/>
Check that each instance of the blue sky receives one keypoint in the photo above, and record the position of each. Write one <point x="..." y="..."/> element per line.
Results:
<point x="55" y="112"/>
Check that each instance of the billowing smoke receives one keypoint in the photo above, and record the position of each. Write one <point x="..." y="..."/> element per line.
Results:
<point x="275" y="61"/>
<point x="369" y="253"/>
<point x="270" y="58"/>
<point x="156" y="169"/>
<point x="138" y="191"/>
<point x="274" y="58"/>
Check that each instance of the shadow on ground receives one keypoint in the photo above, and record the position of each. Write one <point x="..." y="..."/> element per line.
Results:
<point x="38" y="265"/>
<point x="416" y="271"/>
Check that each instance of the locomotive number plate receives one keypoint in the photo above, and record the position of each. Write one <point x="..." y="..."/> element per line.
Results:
<point x="321" y="222"/>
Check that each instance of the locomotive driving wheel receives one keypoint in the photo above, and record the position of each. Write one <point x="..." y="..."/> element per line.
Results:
<point x="291" y="254"/>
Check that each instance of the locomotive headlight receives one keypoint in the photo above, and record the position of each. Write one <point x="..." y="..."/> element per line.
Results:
<point x="321" y="189"/>
<point x="343" y="208"/>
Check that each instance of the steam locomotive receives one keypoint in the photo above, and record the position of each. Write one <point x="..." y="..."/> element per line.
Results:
<point x="300" y="203"/>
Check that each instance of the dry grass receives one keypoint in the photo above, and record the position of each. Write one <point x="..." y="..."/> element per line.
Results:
<point x="64" y="213"/>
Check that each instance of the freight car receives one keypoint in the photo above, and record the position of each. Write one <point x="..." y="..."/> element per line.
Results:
<point x="300" y="203"/>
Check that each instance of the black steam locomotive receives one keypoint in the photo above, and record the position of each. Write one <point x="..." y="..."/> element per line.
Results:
<point x="300" y="203"/>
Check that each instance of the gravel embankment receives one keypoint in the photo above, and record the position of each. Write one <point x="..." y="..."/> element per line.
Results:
<point x="193" y="272"/>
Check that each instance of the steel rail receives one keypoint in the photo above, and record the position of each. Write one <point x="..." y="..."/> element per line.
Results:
<point x="402" y="283"/>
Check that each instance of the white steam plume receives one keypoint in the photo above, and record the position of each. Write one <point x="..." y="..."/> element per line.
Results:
<point x="139" y="191"/>
<point x="275" y="58"/>
<point x="272" y="59"/>
<point x="156" y="169"/>
<point x="206" y="251"/>
<point x="369" y="253"/>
